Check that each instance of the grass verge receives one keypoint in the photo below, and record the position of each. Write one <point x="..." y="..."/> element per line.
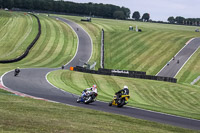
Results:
<point x="29" y="115"/>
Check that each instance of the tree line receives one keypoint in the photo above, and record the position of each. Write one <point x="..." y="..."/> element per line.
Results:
<point x="90" y="9"/>
<point x="184" y="21"/>
<point x="145" y="16"/>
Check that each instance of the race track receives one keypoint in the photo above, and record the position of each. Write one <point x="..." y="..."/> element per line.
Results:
<point x="172" y="69"/>
<point x="33" y="82"/>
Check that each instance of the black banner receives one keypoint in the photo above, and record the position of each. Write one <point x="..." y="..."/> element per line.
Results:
<point x="125" y="73"/>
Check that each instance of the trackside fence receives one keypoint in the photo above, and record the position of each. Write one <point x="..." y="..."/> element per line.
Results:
<point x="125" y="73"/>
<point x="28" y="48"/>
<point x="102" y="48"/>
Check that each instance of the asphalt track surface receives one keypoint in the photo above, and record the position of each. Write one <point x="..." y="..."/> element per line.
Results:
<point x="33" y="82"/>
<point x="172" y="69"/>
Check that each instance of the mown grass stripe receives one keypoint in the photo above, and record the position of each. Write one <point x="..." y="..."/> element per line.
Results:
<point x="45" y="43"/>
<point x="55" y="49"/>
<point x="67" y="51"/>
<point x="52" y="44"/>
<point x="23" y="37"/>
<point x="153" y="55"/>
<point x="125" y="52"/>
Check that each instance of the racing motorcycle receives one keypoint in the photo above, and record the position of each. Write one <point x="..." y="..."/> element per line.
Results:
<point x="120" y="102"/>
<point x="88" y="98"/>
<point x="16" y="72"/>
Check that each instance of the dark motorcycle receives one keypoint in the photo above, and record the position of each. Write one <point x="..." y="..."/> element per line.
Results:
<point x="88" y="98"/>
<point x="16" y="72"/>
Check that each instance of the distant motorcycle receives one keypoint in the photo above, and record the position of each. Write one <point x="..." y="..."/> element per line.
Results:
<point x="16" y="72"/>
<point x="88" y="98"/>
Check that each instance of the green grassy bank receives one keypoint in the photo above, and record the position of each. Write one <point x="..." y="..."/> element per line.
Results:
<point x="17" y="31"/>
<point x="28" y="115"/>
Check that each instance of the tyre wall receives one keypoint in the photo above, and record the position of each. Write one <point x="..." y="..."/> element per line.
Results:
<point x="125" y="73"/>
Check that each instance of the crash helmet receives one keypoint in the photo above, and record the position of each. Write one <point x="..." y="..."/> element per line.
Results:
<point x="94" y="87"/>
<point x="125" y="87"/>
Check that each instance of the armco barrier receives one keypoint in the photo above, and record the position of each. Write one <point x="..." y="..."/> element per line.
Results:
<point x="125" y="73"/>
<point x="102" y="48"/>
<point x="28" y="48"/>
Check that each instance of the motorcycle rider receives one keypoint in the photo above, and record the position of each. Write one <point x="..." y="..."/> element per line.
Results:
<point x="92" y="89"/>
<point x="124" y="91"/>
<point x="17" y="70"/>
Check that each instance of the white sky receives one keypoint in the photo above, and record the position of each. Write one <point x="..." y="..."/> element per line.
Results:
<point x="158" y="9"/>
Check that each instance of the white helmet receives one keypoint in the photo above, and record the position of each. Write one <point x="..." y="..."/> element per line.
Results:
<point x="125" y="87"/>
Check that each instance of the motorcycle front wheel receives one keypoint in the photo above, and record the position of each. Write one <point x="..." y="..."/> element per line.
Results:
<point x="122" y="103"/>
<point x="78" y="100"/>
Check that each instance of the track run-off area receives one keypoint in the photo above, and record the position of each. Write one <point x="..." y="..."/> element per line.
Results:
<point x="33" y="82"/>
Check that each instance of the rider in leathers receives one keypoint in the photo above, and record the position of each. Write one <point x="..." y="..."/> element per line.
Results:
<point x="124" y="91"/>
<point x="92" y="89"/>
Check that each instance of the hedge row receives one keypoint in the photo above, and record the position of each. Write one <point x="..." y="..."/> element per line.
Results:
<point x="125" y="73"/>
<point x="28" y="48"/>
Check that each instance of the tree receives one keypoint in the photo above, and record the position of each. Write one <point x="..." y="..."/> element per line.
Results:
<point x="28" y="4"/>
<point x="8" y="4"/>
<point x="118" y="15"/>
<point x="146" y="17"/>
<point x="1" y="3"/>
<point x="102" y="10"/>
<point x="171" y="20"/>
<point x="136" y="15"/>
<point x="126" y="11"/>
<point x="179" y="19"/>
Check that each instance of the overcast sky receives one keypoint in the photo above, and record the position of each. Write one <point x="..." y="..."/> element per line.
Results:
<point x="158" y="9"/>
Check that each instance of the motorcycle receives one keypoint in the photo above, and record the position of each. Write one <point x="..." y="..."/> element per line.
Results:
<point x="16" y="72"/>
<point x="120" y="102"/>
<point x="88" y="98"/>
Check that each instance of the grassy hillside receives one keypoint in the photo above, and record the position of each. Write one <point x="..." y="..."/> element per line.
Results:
<point x="55" y="47"/>
<point x="28" y="115"/>
<point x="159" y="96"/>
<point x="147" y="51"/>
<point x="17" y="31"/>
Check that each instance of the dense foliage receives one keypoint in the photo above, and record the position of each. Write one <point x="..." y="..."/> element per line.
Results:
<point x="146" y="17"/>
<point x="103" y="10"/>
<point x="136" y="15"/>
<point x="185" y="21"/>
